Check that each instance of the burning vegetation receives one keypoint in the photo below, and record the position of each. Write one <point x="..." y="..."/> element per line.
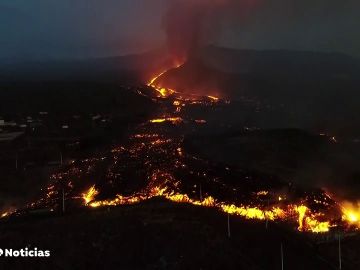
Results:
<point x="307" y="221"/>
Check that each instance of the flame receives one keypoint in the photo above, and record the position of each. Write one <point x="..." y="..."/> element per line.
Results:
<point x="306" y="220"/>
<point x="162" y="91"/>
<point x="213" y="98"/>
<point x="163" y="184"/>
<point x="310" y="222"/>
<point x="153" y="80"/>
<point x="253" y="212"/>
<point x="317" y="226"/>
<point x="89" y="195"/>
<point x="301" y="210"/>
<point x="174" y="120"/>
<point x="262" y="193"/>
<point x="5" y="214"/>
<point x="119" y="200"/>
<point x="351" y="213"/>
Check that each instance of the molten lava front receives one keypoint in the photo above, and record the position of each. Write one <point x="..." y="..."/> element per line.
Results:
<point x="306" y="220"/>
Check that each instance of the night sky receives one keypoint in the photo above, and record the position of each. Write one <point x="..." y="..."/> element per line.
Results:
<point x="45" y="29"/>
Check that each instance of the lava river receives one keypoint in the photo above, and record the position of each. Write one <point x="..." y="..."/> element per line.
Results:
<point x="153" y="162"/>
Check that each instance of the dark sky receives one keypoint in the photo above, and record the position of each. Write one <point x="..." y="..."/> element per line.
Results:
<point x="81" y="28"/>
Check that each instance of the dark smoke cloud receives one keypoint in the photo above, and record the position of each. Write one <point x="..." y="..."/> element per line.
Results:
<point x="190" y="24"/>
<point x="320" y="25"/>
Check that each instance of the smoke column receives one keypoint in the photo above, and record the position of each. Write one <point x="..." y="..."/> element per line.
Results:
<point x="190" y="24"/>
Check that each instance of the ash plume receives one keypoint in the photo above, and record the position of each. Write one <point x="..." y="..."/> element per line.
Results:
<point x="191" y="24"/>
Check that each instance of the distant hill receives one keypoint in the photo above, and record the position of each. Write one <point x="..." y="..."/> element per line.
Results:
<point x="318" y="89"/>
<point x="250" y="70"/>
<point x="108" y="69"/>
<point x="313" y="90"/>
<point x="299" y="64"/>
<point x="279" y="63"/>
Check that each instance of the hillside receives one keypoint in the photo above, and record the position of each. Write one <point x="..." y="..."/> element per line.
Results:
<point x="159" y="235"/>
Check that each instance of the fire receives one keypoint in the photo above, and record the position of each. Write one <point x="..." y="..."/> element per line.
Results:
<point x="317" y="226"/>
<point x="213" y="98"/>
<point x="253" y="212"/>
<point x="3" y="215"/>
<point x="146" y="144"/>
<point x="351" y="213"/>
<point x="90" y="195"/>
<point x="153" y="80"/>
<point x="162" y="91"/>
<point x="165" y="92"/>
<point x="305" y="219"/>
<point x="174" y="120"/>
<point x="301" y="210"/>
<point x="310" y="222"/>
<point x="262" y="193"/>
<point x="119" y="200"/>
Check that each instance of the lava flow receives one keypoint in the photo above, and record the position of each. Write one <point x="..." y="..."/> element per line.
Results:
<point x="162" y="91"/>
<point x="153" y="162"/>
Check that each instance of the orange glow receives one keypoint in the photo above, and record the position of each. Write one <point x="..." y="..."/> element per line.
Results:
<point x="310" y="222"/>
<point x="4" y="214"/>
<point x="162" y="91"/>
<point x="262" y="193"/>
<point x="90" y="194"/>
<point x="351" y="213"/>
<point x="153" y="80"/>
<point x="252" y="212"/>
<point x="301" y="210"/>
<point x="213" y="98"/>
<point x="307" y="222"/>
<point x="174" y="120"/>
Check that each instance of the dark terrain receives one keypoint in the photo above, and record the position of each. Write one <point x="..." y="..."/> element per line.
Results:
<point x="162" y="235"/>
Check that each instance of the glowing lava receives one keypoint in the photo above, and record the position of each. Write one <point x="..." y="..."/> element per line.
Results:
<point x="310" y="222"/>
<point x="174" y="120"/>
<point x="162" y="91"/>
<point x="161" y="157"/>
<point x="4" y="214"/>
<point x="89" y="195"/>
<point x="215" y="99"/>
<point x="351" y="213"/>
<point x="307" y="222"/>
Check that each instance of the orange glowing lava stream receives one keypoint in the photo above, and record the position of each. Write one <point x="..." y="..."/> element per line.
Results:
<point x="307" y="221"/>
<point x="174" y="120"/>
<point x="164" y="92"/>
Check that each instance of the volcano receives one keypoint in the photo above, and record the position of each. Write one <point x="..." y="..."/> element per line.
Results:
<point x="153" y="162"/>
<point x="207" y="136"/>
